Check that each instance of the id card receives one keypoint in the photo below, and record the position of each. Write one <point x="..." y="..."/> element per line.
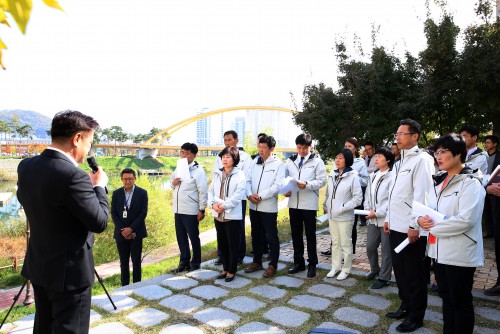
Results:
<point x="124" y="213"/>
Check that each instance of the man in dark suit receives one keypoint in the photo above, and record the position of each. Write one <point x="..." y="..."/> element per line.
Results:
<point x="129" y="208"/>
<point x="64" y="206"/>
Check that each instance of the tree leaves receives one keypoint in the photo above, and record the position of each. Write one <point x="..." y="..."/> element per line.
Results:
<point x="53" y="4"/>
<point x="20" y="11"/>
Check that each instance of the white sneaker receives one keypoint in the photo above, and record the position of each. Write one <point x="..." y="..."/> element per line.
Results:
<point x="342" y="276"/>
<point x="331" y="273"/>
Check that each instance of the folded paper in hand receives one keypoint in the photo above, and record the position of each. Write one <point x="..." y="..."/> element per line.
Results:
<point x="322" y="219"/>
<point x="421" y="210"/>
<point x="289" y="184"/>
<point x="182" y="170"/>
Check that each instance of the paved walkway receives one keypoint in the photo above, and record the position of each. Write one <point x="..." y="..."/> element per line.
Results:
<point x="198" y="303"/>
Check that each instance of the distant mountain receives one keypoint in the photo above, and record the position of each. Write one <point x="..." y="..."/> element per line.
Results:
<point x="40" y="123"/>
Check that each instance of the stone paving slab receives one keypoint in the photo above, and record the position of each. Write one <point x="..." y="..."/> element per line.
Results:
<point x="181" y="329"/>
<point x="128" y="289"/>
<point x="375" y="302"/>
<point x="484" y="330"/>
<point x="333" y="325"/>
<point x="237" y="283"/>
<point x="122" y="303"/>
<point x="182" y="303"/>
<point x="326" y="290"/>
<point x="258" y="328"/>
<point x="203" y="274"/>
<point x="208" y="292"/>
<point x="179" y="282"/>
<point x="147" y="317"/>
<point x="243" y="304"/>
<point x="351" y="281"/>
<point x="385" y="290"/>
<point x="488" y="313"/>
<point x="216" y="317"/>
<point x="310" y="302"/>
<point x="111" y="327"/>
<point x="434" y="301"/>
<point x="433" y="316"/>
<point x="357" y="316"/>
<point x="152" y="292"/>
<point x="421" y="330"/>
<point x="287" y="316"/>
<point x="269" y="292"/>
<point x="287" y="281"/>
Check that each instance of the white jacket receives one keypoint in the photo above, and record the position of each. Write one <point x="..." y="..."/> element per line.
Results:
<point x="243" y="165"/>
<point x="234" y="190"/>
<point x="459" y="236"/>
<point x="343" y="194"/>
<point x="378" y="203"/>
<point x="313" y="172"/>
<point x="478" y="161"/>
<point x="359" y="165"/>
<point x="190" y="196"/>
<point x="265" y="178"/>
<point x="412" y="180"/>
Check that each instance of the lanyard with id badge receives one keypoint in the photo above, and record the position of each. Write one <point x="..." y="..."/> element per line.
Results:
<point x="126" y="203"/>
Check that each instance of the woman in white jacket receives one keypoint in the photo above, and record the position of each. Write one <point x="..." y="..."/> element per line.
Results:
<point x="224" y="197"/>
<point x="456" y="242"/>
<point x="376" y="199"/>
<point x="343" y="194"/>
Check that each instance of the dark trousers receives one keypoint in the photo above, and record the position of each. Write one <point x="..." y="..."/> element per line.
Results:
<point x="187" y="226"/>
<point x="129" y="249"/>
<point x="455" y="286"/>
<point x="243" y="242"/>
<point x="496" y="233"/>
<point x="265" y="222"/>
<point x="301" y="220"/>
<point x="62" y="312"/>
<point x="410" y="273"/>
<point x="489" y="214"/>
<point x="229" y="242"/>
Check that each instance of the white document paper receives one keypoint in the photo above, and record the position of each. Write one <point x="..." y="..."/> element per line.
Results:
<point x="322" y="219"/>
<point x="362" y="212"/>
<point x="402" y="245"/>
<point x="182" y="170"/>
<point x="421" y="210"/>
<point x="289" y="184"/>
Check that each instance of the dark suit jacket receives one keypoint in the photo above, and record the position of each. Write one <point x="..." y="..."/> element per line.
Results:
<point x="63" y="209"/>
<point x="136" y="213"/>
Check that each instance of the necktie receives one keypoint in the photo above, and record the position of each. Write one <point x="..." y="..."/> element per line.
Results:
<point x="301" y="162"/>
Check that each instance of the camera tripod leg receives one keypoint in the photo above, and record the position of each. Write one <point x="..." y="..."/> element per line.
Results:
<point x="102" y="284"/>
<point x="16" y="297"/>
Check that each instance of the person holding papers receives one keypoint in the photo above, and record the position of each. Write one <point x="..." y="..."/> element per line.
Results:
<point x="376" y="196"/>
<point x="343" y="194"/>
<point x="190" y="201"/>
<point x="309" y="171"/>
<point x="224" y="197"/>
<point x="456" y="242"/>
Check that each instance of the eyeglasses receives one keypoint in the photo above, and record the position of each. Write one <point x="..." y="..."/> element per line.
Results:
<point x="128" y="179"/>
<point x="440" y="152"/>
<point x="400" y="134"/>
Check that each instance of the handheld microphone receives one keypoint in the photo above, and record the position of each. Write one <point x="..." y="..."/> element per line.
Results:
<point x="93" y="165"/>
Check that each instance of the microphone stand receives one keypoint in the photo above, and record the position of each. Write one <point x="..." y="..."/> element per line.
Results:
<point x="102" y="284"/>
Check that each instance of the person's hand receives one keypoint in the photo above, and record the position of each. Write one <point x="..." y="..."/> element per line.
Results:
<point x="371" y="215"/>
<point x="425" y="222"/>
<point x="494" y="189"/>
<point x="200" y="215"/>
<point x="386" y="228"/>
<point x="325" y="211"/>
<point x="127" y="232"/>
<point x="254" y="198"/>
<point x="218" y="207"/>
<point x="99" y="178"/>
<point x="288" y="194"/>
<point x="301" y="184"/>
<point x="176" y="181"/>
<point x="413" y="235"/>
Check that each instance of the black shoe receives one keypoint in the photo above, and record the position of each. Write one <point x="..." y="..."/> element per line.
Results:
<point x="371" y="276"/>
<point x="180" y="268"/>
<point x="193" y="268"/>
<point x="221" y="276"/>
<point x="327" y="252"/>
<point x="218" y="261"/>
<point x="493" y="291"/>
<point x="379" y="284"/>
<point x="362" y="224"/>
<point x="399" y="314"/>
<point x="311" y="271"/>
<point x="434" y="287"/>
<point x="296" y="268"/>
<point x="408" y="326"/>
<point x="229" y="279"/>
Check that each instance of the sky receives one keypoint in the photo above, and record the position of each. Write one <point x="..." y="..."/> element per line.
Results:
<point x="151" y="63"/>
